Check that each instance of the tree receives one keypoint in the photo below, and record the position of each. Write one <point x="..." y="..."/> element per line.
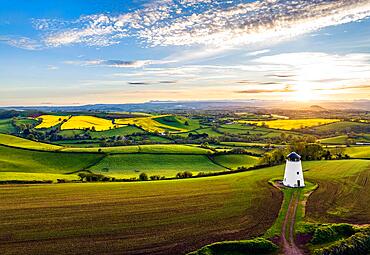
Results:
<point x="143" y="177"/>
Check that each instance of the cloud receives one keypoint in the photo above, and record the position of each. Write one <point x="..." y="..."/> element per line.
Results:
<point x="217" y="23"/>
<point x="167" y="82"/>
<point x="21" y="42"/>
<point x="51" y="67"/>
<point x="111" y="63"/>
<point x="259" y="52"/>
<point x="258" y="91"/>
<point x="138" y="83"/>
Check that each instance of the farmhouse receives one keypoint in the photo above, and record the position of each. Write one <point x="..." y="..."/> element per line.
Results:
<point x="293" y="176"/>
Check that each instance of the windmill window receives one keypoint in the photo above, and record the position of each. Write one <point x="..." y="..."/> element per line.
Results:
<point x="297" y="173"/>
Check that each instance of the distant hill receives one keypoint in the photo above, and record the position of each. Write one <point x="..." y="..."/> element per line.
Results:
<point x="167" y="106"/>
<point x="317" y="108"/>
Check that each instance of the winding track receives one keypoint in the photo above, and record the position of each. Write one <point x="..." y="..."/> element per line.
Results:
<point x="288" y="245"/>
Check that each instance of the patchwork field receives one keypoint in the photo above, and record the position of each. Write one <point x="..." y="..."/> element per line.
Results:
<point x="290" y="124"/>
<point x="88" y="122"/>
<point x="48" y="121"/>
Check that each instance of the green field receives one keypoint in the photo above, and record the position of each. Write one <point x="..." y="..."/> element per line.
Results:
<point x="131" y="165"/>
<point x="6" y="126"/>
<point x="209" y="131"/>
<point x="14" y="141"/>
<point x="343" y="193"/>
<point x="343" y="126"/>
<point x="235" y="161"/>
<point x="122" y="131"/>
<point x="358" y="151"/>
<point x="178" y="122"/>
<point x="342" y="139"/>
<point x="151" y="148"/>
<point x="27" y="161"/>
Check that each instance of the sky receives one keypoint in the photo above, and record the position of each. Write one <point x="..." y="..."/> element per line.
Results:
<point x="65" y="52"/>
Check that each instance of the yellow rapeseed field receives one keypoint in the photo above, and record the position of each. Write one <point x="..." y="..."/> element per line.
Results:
<point x="50" y="120"/>
<point x="291" y="124"/>
<point x="149" y="124"/>
<point x="91" y="122"/>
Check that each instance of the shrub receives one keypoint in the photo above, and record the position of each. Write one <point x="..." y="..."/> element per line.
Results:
<point x="357" y="244"/>
<point x="185" y="174"/>
<point x="155" y="177"/>
<point x="329" y="233"/>
<point x="254" y="246"/>
<point x="143" y="177"/>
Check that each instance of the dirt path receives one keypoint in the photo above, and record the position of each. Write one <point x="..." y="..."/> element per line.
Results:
<point x="287" y="237"/>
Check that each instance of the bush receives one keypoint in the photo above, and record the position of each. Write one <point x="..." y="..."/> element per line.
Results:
<point x="255" y="246"/>
<point x="185" y="174"/>
<point x="143" y="177"/>
<point x="90" y="177"/>
<point x="155" y="177"/>
<point x="357" y="244"/>
<point x="329" y="233"/>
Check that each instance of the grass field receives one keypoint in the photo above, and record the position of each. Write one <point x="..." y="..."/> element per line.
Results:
<point x="14" y="141"/>
<point x="209" y="131"/>
<point x="358" y="151"/>
<point x="48" y="121"/>
<point x="342" y="139"/>
<point x="27" y="161"/>
<point x="128" y="166"/>
<point x="178" y="122"/>
<point x="343" y="193"/>
<point x="235" y="161"/>
<point x="121" y="131"/>
<point x="6" y="176"/>
<point x="292" y="124"/>
<point x="6" y="126"/>
<point x="150" y="148"/>
<point x="342" y="126"/>
<point x="162" y="217"/>
<point x="88" y="122"/>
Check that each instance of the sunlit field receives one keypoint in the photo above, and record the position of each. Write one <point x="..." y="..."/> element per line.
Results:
<point x="48" y="121"/>
<point x="88" y="122"/>
<point x="149" y="124"/>
<point x="291" y="124"/>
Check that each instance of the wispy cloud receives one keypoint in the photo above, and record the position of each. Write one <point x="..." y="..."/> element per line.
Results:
<point x="111" y="63"/>
<point x="218" y="23"/>
<point x="287" y="89"/>
<point x="258" y="52"/>
<point x="21" y="42"/>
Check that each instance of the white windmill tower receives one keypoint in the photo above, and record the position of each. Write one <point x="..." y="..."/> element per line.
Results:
<point x="293" y="176"/>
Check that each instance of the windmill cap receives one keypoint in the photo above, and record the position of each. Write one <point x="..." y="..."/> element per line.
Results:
<point x="293" y="156"/>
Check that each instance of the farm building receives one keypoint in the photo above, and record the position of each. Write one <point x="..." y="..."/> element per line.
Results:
<point x="293" y="176"/>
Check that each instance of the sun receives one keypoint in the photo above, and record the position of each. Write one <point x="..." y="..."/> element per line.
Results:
<point x="303" y="93"/>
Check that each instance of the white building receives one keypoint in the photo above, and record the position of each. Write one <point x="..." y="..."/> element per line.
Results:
<point x="293" y="176"/>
